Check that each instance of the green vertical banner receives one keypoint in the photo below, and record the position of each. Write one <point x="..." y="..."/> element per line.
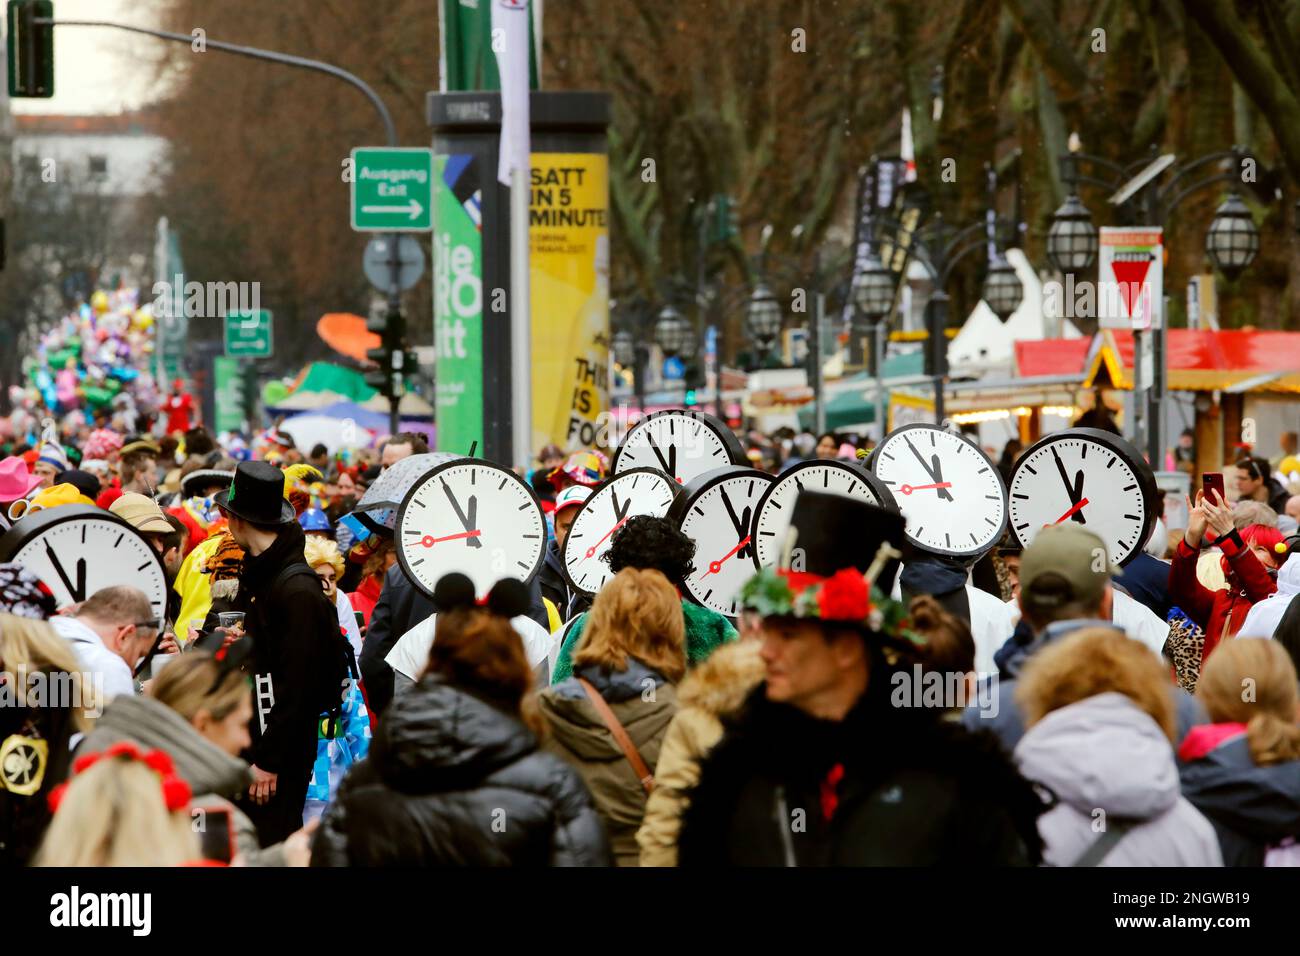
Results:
<point x="458" y="301"/>
<point x="228" y="388"/>
<point x="468" y="62"/>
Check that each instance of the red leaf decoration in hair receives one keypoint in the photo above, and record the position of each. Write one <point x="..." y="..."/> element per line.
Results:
<point x="176" y="793"/>
<point x="85" y="762"/>
<point x="55" y="797"/>
<point x="160" y="761"/>
<point x="124" y="748"/>
<point x="844" y="597"/>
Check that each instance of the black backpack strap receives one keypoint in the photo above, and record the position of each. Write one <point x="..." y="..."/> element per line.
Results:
<point x="1100" y="847"/>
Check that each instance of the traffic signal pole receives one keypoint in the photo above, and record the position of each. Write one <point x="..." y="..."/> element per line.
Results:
<point x="395" y="331"/>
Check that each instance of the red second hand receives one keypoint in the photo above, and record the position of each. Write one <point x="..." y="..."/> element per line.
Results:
<point x="591" y="552"/>
<point x="908" y="489"/>
<point x="716" y="566"/>
<point x="429" y="540"/>
<point x="1068" y="513"/>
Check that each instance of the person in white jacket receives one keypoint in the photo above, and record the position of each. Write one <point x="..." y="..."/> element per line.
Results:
<point x="1266" y="615"/>
<point x="1101" y="720"/>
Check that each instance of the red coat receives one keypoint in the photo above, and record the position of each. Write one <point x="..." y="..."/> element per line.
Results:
<point x="1220" y="613"/>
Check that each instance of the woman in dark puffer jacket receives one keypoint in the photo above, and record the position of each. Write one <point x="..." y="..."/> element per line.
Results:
<point x="455" y="776"/>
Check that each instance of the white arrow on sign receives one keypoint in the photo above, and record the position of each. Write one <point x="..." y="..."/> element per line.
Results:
<point x="413" y="207"/>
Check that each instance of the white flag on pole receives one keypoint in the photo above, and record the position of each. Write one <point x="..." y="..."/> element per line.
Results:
<point x="510" y="43"/>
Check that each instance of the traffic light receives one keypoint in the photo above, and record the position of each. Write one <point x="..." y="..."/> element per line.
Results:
<point x="31" y="49"/>
<point x="691" y="397"/>
<point x="725" y="225"/>
<point x="392" y="359"/>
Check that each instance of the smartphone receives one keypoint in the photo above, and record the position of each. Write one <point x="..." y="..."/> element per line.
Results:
<point x="216" y="833"/>
<point x="1213" y="481"/>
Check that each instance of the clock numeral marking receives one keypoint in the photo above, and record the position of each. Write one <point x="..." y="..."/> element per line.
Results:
<point x="417" y="501"/>
<point x="1031" y="469"/>
<point x="143" y="566"/>
<point x="973" y="539"/>
<point x="768" y="534"/>
<point x="933" y="437"/>
<point x="417" y="562"/>
<point x="410" y="531"/>
<point x="473" y="475"/>
<point x="571" y="535"/>
<point x="717" y="452"/>
<point x="522" y="565"/>
<point x="1021" y="497"/>
<point x="982" y="470"/>
<point x="886" y="454"/>
<point x="749" y="492"/>
<point x="706" y="597"/>
<point x="635" y="480"/>
<point x="1083" y="452"/>
<point x="503" y="483"/>
<point x="524" y="505"/>
<point x="773" y="503"/>
<point x="993" y="497"/>
<point x="1022" y="527"/>
<point x="699" y="510"/>
<point x="83" y="534"/>
<point x="918" y="532"/>
<point x="536" y="536"/>
<point x="826" y="479"/>
<point x="1111" y="462"/>
<point x="119" y="539"/>
<point x="947" y="540"/>
<point x="1130" y="487"/>
<point x="991" y="522"/>
<point x="1132" y="517"/>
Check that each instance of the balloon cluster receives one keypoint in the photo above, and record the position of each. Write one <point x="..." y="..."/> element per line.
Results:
<point x="94" y="357"/>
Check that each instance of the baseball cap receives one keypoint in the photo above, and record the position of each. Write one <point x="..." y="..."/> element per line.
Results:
<point x="572" y="496"/>
<point x="141" y="513"/>
<point x="1075" y="554"/>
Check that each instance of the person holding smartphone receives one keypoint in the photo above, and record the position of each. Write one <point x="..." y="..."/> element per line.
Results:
<point x="1248" y="556"/>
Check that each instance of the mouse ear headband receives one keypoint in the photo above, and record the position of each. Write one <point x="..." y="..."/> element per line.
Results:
<point x="508" y="597"/>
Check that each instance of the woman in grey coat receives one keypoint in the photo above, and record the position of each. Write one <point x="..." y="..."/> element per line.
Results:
<point x="197" y="710"/>
<point x="1100" y="745"/>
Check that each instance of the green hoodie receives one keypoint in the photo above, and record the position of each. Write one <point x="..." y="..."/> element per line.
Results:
<point x="705" y="630"/>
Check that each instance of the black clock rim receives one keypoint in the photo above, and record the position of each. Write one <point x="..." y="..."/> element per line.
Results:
<point x="730" y="442"/>
<point x="1125" y="450"/>
<point x="969" y="556"/>
<point x="882" y="491"/>
<point x="432" y="472"/>
<point x="11" y="544"/>
<point x="696" y="487"/>
<point x="657" y="472"/>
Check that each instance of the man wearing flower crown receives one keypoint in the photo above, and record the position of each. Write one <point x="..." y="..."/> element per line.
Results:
<point x="820" y="767"/>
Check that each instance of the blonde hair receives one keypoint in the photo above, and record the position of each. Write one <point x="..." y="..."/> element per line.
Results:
<point x="29" y="646"/>
<point x="318" y="551"/>
<point x="185" y="686"/>
<point x="1095" y="660"/>
<point x="637" y="614"/>
<point x="1252" y="681"/>
<point x="114" y="814"/>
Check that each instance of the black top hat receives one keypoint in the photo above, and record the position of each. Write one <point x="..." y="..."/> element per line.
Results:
<point x="257" y="495"/>
<point x="83" y="481"/>
<point x="831" y="532"/>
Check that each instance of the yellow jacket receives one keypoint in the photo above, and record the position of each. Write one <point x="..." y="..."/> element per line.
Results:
<point x="193" y="586"/>
<point x="714" y="689"/>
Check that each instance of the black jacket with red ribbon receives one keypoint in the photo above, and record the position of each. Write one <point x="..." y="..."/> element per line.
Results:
<point x="886" y="786"/>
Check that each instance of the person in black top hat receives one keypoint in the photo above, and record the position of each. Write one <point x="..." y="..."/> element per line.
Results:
<point x="835" y="759"/>
<point x="296" y="640"/>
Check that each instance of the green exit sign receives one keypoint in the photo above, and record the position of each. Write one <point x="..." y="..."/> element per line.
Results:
<point x="248" y="334"/>
<point x="392" y="189"/>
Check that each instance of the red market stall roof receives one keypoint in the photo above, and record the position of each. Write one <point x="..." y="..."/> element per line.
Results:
<point x="1197" y="359"/>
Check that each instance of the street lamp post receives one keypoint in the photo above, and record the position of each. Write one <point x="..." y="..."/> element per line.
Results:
<point x="1231" y="242"/>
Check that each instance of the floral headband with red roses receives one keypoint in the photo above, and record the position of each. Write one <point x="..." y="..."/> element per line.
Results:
<point x="176" y="792"/>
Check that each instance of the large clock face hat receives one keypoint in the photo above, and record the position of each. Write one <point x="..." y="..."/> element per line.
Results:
<point x="837" y="566"/>
<point x="257" y="495"/>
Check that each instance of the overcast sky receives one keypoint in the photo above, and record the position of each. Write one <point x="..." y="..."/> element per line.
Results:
<point x="98" y="70"/>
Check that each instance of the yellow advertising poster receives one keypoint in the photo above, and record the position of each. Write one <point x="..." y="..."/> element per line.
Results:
<point x="569" y="274"/>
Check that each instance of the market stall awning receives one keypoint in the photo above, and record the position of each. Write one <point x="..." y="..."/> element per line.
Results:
<point x="1197" y="359"/>
<point x="852" y="401"/>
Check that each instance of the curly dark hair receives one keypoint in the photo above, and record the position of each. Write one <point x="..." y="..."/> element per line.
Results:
<point x="650" y="543"/>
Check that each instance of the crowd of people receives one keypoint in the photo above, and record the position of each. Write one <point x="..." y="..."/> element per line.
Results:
<point x="302" y="702"/>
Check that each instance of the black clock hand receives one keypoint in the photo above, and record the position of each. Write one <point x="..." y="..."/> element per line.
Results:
<point x="1077" y="495"/>
<point x="747" y="550"/>
<point x="78" y="593"/>
<point x="742" y="528"/>
<point x="937" y="475"/>
<point x="620" y="512"/>
<point x="1069" y="487"/>
<point x="669" y="465"/>
<point x="466" y="520"/>
<point x="924" y="464"/>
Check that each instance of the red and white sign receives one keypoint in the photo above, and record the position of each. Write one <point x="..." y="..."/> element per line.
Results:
<point x="1130" y="287"/>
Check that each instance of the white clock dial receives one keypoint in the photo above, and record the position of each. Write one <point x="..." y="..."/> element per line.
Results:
<point x="948" y="490"/>
<point x="644" y="491"/>
<point x="473" y="517"/>
<point x="683" y="445"/>
<point x="85" y="554"/>
<point x="778" y="503"/>
<point x="718" y="515"/>
<point x="1095" y="482"/>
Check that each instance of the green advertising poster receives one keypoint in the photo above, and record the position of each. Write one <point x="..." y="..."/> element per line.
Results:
<point x="227" y="382"/>
<point x="458" y="302"/>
